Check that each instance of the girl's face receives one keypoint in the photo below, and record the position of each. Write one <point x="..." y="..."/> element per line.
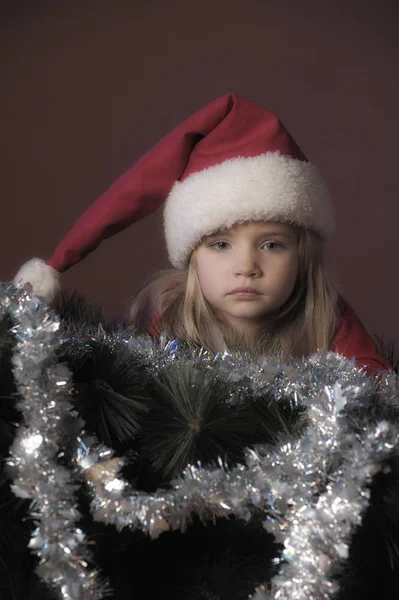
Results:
<point x="248" y="271"/>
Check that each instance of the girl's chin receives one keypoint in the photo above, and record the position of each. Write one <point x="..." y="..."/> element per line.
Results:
<point x="247" y="310"/>
<point x="241" y="319"/>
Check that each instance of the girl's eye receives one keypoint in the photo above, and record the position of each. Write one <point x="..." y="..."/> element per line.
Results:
<point x="219" y="245"/>
<point x="271" y="245"/>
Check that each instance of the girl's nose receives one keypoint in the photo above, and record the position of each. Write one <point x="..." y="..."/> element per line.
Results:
<point x="247" y="264"/>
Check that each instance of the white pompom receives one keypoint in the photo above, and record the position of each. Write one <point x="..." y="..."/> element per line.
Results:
<point x="45" y="280"/>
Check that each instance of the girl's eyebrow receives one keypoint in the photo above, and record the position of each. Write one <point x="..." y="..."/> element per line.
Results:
<point x="212" y="236"/>
<point x="286" y="234"/>
<point x="223" y="234"/>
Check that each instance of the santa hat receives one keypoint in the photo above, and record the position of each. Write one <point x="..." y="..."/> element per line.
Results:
<point x="233" y="161"/>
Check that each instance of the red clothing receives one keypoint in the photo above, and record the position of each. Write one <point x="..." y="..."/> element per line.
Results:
<point x="352" y="340"/>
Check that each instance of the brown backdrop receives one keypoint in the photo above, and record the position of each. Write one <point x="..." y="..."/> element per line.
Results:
<point x="89" y="85"/>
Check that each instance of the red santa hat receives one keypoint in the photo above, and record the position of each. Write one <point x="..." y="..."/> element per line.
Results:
<point x="233" y="161"/>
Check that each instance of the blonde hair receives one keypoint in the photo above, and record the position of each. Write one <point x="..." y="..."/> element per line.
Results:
<point x="305" y="324"/>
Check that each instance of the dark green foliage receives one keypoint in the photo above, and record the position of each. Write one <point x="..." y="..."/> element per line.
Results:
<point x="195" y="417"/>
<point x="388" y="351"/>
<point x="109" y="380"/>
<point x="9" y="415"/>
<point x="110" y="392"/>
<point x="78" y="314"/>
<point x="221" y="560"/>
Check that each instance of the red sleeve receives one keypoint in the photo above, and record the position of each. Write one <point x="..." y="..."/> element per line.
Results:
<point x="154" y="325"/>
<point x="352" y="340"/>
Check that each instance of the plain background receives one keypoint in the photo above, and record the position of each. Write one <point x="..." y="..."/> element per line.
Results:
<point x="87" y="86"/>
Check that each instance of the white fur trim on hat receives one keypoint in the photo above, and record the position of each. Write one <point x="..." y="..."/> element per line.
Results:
<point x="268" y="187"/>
<point x="45" y="280"/>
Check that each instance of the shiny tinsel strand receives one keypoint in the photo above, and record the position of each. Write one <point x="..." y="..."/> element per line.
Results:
<point x="327" y="493"/>
<point x="314" y="489"/>
<point x="48" y="422"/>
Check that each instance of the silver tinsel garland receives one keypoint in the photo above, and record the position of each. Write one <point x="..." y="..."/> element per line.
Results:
<point x="38" y="449"/>
<point x="314" y="490"/>
<point x="326" y="487"/>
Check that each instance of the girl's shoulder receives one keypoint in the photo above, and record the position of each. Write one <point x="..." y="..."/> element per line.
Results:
<point x="353" y="341"/>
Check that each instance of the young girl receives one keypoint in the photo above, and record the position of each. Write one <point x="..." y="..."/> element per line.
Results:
<point x="246" y="216"/>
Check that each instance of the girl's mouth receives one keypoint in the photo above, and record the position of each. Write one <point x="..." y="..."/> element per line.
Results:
<point x="244" y="291"/>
